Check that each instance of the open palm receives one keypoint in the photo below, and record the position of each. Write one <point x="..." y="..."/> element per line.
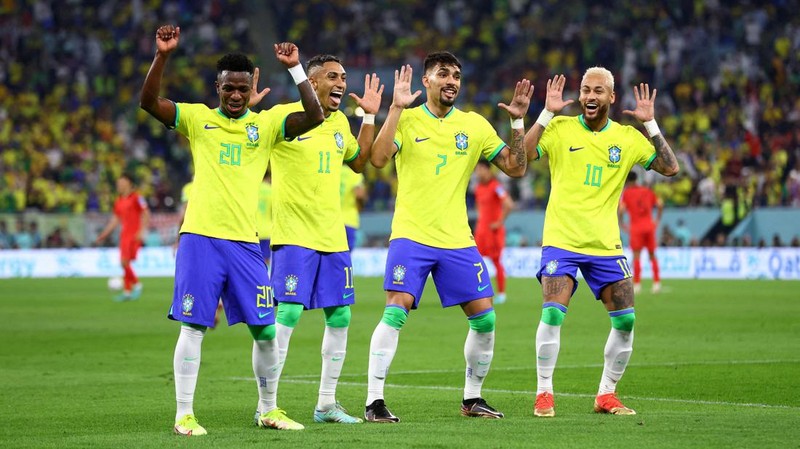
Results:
<point x="554" y="101"/>
<point x="645" y="103"/>
<point x="402" y="87"/>
<point x="373" y="90"/>
<point x="521" y="100"/>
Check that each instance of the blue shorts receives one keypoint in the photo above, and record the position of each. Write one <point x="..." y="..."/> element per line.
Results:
<point x="351" y="237"/>
<point x="460" y="275"/>
<point x="207" y="269"/>
<point x="598" y="271"/>
<point x="265" y="251"/>
<point x="312" y="278"/>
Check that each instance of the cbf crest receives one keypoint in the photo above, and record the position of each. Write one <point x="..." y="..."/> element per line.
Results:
<point x="252" y="133"/>
<point x="614" y="154"/>
<point x="462" y="142"/>
<point x="187" y="304"/>
<point x="551" y="267"/>
<point x="398" y="274"/>
<point x="290" y="283"/>
<point x="337" y="136"/>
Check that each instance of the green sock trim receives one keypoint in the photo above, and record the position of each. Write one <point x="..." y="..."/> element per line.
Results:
<point x="623" y="322"/>
<point x="483" y="323"/>
<point x="262" y="333"/>
<point x="553" y="316"/>
<point x="394" y="316"/>
<point x="198" y="327"/>
<point x="337" y="316"/>
<point x="289" y="313"/>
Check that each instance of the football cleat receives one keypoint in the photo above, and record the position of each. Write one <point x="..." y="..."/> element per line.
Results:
<point x="544" y="406"/>
<point x="338" y="414"/>
<point x="377" y="412"/>
<point x="656" y="288"/>
<point x="478" y="408"/>
<point x="136" y="293"/>
<point x="188" y="426"/>
<point x="608" y="403"/>
<point x="499" y="298"/>
<point x="637" y="288"/>
<point x="277" y="419"/>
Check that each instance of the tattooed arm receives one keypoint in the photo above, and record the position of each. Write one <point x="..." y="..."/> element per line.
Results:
<point x="512" y="159"/>
<point x="665" y="162"/>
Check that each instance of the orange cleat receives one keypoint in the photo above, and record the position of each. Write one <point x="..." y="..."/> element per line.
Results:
<point x="608" y="403"/>
<point x="544" y="406"/>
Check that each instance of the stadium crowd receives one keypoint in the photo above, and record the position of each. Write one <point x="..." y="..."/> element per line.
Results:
<point x="728" y="77"/>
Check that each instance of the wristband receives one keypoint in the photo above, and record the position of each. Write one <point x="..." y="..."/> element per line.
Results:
<point x="545" y="117"/>
<point x="298" y="74"/>
<point x="652" y="128"/>
<point x="369" y="119"/>
<point x="517" y="123"/>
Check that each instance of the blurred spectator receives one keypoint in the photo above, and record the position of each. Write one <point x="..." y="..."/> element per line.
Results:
<point x="60" y="238"/>
<point x="36" y="236"/>
<point x="153" y="238"/>
<point x="776" y="241"/>
<point x="6" y="241"/>
<point x="683" y="235"/>
<point x="22" y="238"/>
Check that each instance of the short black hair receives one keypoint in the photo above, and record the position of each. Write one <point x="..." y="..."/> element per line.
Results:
<point x="440" y="57"/>
<point x="320" y="60"/>
<point x="129" y="177"/>
<point x="235" y="62"/>
<point x="485" y="163"/>
<point x="632" y="177"/>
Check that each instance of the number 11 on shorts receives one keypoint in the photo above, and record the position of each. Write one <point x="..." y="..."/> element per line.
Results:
<point x="623" y="265"/>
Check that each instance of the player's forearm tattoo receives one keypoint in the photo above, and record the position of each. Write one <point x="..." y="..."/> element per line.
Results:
<point x="665" y="160"/>
<point x="555" y="286"/>
<point x="622" y="295"/>
<point x="517" y="148"/>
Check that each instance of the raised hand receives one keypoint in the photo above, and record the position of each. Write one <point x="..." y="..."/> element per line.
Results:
<point x="256" y="96"/>
<point x="373" y="89"/>
<point x="167" y="37"/>
<point x="402" y="87"/>
<point x="520" y="101"/>
<point x="288" y="54"/>
<point x="645" y="104"/>
<point x="554" y="101"/>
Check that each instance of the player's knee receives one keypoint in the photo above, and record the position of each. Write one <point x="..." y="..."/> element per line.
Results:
<point x="338" y="316"/>
<point x="394" y="316"/>
<point x="622" y="320"/>
<point x="197" y="327"/>
<point x="289" y="314"/>
<point x="482" y="322"/>
<point x="553" y="313"/>
<point x="262" y="333"/>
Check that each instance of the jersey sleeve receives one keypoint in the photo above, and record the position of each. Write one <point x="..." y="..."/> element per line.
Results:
<point x="185" y="114"/>
<point x="398" y="135"/>
<point x="549" y="137"/>
<point x="273" y="123"/>
<point x="351" y="148"/>
<point x="492" y="143"/>
<point x="646" y="152"/>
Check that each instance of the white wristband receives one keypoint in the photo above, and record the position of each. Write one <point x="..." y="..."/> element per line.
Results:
<point x="298" y="74"/>
<point x="652" y="128"/>
<point x="369" y="119"/>
<point x="517" y="123"/>
<point x="545" y="117"/>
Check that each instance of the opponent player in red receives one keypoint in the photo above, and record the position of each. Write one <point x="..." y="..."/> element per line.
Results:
<point x="638" y="201"/>
<point x="130" y="210"/>
<point x="494" y="205"/>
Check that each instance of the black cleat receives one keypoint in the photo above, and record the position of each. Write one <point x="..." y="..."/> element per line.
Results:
<point x="478" y="408"/>
<point x="377" y="412"/>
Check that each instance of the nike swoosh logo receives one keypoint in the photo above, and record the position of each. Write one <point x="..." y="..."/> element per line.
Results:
<point x="571" y="149"/>
<point x="418" y="140"/>
<point x="262" y="315"/>
<point x="483" y="287"/>
<point x="300" y="139"/>
<point x="190" y="359"/>
<point x="347" y="295"/>
<point x="210" y="127"/>
<point x="335" y="359"/>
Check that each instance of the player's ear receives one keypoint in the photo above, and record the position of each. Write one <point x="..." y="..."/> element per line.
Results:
<point x="425" y="81"/>
<point x="613" y="97"/>
<point x="216" y="86"/>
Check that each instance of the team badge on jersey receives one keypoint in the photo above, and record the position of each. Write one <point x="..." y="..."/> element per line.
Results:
<point x="551" y="267"/>
<point x="291" y="284"/>
<point x="252" y="132"/>
<point x="462" y="141"/>
<point x="614" y="154"/>
<point x="187" y="304"/>
<point x="339" y="140"/>
<point x="398" y="274"/>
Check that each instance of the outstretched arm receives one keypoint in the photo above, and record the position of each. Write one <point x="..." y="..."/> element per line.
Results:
<point x="384" y="148"/>
<point x="553" y="104"/>
<point x="298" y="123"/>
<point x="370" y="103"/>
<point x="512" y="159"/>
<point x="665" y="162"/>
<point x="107" y="230"/>
<point x="167" y="38"/>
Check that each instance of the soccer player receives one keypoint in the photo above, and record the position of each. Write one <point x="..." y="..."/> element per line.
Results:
<point x="639" y="201"/>
<point x="354" y="194"/>
<point x="590" y="156"/>
<point x="264" y="220"/>
<point x="130" y="211"/>
<point x="436" y="147"/>
<point x="494" y="205"/>
<point x="218" y="254"/>
<point x="311" y="266"/>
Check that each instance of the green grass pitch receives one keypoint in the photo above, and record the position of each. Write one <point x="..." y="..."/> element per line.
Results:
<point x="715" y="364"/>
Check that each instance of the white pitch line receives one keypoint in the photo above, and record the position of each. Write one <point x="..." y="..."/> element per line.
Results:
<point x="531" y="393"/>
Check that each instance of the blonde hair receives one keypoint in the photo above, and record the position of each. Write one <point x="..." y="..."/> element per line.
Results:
<point x="600" y="71"/>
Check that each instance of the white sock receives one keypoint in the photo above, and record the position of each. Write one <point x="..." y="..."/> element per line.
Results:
<point x="478" y="351"/>
<point x="265" y="368"/>
<point x="617" y="353"/>
<point x="548" y="342"/>
<point x="382" y="348"/>
<point x="282" y="337"/>
<point x="334" y="348"/>
<point x="186" y="365"/>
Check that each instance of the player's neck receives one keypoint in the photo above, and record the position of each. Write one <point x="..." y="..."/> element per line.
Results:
<point x="438" y="109"/>
<point x="596" y="124"/>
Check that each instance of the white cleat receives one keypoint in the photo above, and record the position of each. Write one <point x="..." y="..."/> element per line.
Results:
<point x="656" y="289"/>
<point x="637" y="288"/>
